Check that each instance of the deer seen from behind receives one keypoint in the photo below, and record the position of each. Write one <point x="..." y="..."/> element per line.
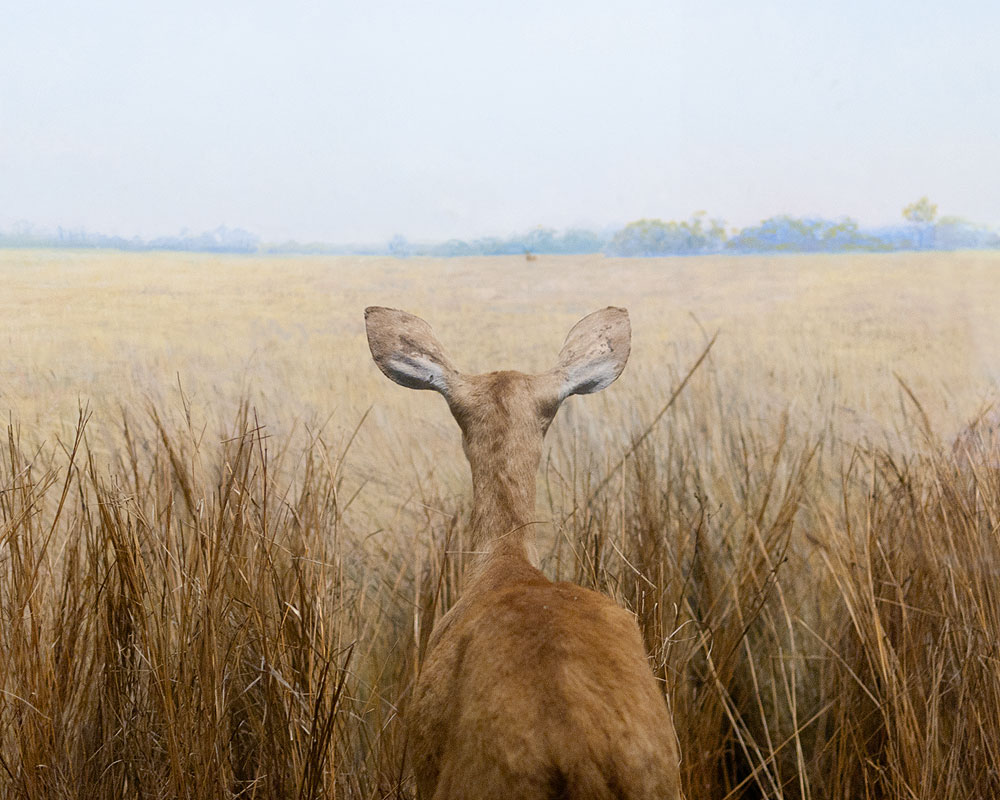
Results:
<point x="530" y="689"/>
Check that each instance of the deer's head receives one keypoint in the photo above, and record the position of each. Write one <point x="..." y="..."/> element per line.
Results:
<point x="503" y="405"/>
<point x="503" y="415"/>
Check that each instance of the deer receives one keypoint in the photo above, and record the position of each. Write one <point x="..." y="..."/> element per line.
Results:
<point x="529" y="688"/>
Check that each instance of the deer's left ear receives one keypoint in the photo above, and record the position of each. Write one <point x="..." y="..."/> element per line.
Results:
<point x="595" y="352"/>
<point x="406" y="350"/>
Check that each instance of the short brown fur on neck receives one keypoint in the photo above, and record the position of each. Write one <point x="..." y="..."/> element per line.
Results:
<point x="503" y="416"/>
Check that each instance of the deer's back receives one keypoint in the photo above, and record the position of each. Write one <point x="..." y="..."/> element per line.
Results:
<point x="540" y="690"/>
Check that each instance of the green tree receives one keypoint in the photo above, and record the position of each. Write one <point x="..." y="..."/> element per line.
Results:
<point x="654" y="237"/>
<point x="922" y="213"/>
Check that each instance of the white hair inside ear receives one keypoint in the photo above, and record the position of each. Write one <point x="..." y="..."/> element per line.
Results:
<point x="415" y="372"/>
<point x="406" y="350"/>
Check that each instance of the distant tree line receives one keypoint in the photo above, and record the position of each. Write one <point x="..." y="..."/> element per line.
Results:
<point x="922" y="229"/>
<point x="537" y="240"/>
<point x="220" y="240"/>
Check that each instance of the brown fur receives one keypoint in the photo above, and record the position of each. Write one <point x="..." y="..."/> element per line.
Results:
<point x="530" y="689"/>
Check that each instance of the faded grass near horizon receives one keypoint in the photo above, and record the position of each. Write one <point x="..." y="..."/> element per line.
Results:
<point x="225" y="536"/>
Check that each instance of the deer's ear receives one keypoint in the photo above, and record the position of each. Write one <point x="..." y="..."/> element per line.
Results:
<point x="595" y="352"/>
<point x="406" y="350"/>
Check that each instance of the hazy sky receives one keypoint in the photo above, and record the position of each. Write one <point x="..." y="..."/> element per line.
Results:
<point x="353" y="121"/>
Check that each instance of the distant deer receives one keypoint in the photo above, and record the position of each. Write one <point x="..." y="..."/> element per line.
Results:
<point x="530" y="689"/>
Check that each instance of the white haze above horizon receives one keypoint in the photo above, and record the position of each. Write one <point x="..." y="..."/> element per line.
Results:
<point x="348" y="122"/>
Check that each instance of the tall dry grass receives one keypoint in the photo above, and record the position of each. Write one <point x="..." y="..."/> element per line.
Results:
<point x="181" y="624"/>
<point x="189" y="614"/>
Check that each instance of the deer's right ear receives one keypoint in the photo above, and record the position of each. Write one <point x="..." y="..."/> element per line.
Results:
<point x="406" y="350"/>
<point x="595" y="352"/>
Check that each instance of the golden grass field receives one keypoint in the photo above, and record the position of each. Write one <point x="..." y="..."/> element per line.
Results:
<point x="220" y="584"/>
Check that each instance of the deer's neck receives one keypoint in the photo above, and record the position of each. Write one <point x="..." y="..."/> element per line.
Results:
<point x="503" y="505"/>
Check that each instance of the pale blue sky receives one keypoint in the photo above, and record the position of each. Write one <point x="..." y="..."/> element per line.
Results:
<point x="354" y="121"/>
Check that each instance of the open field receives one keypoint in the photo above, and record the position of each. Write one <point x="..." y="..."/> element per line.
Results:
<point x="220" y="586"/>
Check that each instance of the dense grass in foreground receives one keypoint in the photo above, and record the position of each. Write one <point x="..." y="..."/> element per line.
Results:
<point x="190" y="617"/>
